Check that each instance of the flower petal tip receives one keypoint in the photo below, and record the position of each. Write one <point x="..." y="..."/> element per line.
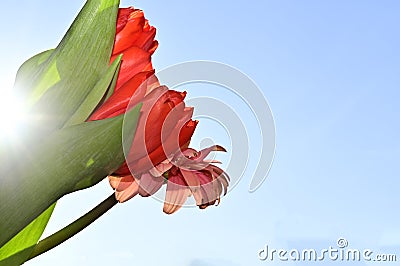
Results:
<point x="219" y="148"/>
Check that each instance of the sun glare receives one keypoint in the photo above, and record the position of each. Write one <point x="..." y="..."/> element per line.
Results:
<point x="11" y="116"/>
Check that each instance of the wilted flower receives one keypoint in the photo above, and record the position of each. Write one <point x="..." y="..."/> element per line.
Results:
<point x="186" y="173"/>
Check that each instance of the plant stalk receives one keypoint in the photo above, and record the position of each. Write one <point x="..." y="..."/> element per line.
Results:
<point x="73" y="228"/>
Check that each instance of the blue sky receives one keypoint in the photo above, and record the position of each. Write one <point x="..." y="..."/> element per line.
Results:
<point x="330" y="71"/>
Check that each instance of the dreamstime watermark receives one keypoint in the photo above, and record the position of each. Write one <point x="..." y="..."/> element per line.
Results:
<point x="340" y="252"/>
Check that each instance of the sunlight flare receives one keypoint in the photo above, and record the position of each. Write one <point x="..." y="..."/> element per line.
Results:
<point x="12" y="116"/>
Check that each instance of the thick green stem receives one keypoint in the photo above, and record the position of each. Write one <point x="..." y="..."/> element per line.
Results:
<point x="74" y="228"/>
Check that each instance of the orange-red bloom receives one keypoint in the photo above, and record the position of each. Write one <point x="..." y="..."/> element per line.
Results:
<point x="164" y="128"/>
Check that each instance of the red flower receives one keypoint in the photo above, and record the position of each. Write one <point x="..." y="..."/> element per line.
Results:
<point x="185" y="173"/>
<point x="164" y="127"/>
<point x="164" y="116"/>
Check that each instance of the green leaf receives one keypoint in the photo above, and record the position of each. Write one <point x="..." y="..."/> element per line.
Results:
<point x="20" y="247"/>
<point x="97" y="94"/>
<point x="88" y="151"/>
<point x="29" y="71"/>
<point x="113" y="83"/>
<point x="129" y="123"/>
<point x="64" y="80"/>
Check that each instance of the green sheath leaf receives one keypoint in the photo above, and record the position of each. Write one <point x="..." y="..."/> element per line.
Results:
<point x="92" y="100"/>
<point x="90" y="151"/>
<point x="19" y="248"/>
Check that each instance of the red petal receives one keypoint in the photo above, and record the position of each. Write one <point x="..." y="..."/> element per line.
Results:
<point x="135" y="88"/>
<point x="160" y="168"/>
<point x="169" y="147"/>
<point x="131" y="31"/>
<point x="152" y="123"/>
<point x="131" y="191"/>
<point x="190" y="178"/>
<point x="148" y="185"/>
<point x="134" y="60"/>
<point x="121" y="183"/>
<point x="176" y="195"/>
<point x="123" y="15"/>
<point x="123" y="170"/>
